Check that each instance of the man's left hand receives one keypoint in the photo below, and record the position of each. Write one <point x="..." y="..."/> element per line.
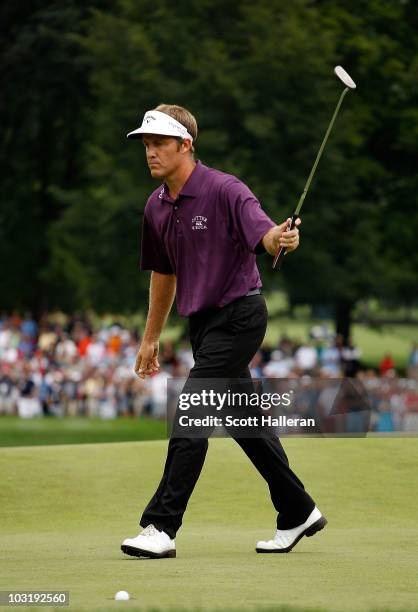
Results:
<point x="279" y="237"/>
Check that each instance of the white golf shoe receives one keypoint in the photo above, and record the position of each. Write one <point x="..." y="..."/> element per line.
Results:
<point x="150" y="543"/>
<point x="286" y="539"/>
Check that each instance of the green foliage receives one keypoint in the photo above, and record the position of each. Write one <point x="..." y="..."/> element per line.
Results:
<point x="258" y="76"/>
<point x="43" y="113"/>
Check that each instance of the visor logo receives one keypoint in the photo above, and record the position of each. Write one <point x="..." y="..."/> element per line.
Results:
<point x="149" y="118"/>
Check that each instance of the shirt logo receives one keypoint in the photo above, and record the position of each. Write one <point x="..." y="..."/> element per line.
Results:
<point x="160" y="195"/>
<point x="199" y="223"/>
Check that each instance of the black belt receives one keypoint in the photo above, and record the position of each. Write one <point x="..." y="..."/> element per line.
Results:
<point x="255" y="291"/>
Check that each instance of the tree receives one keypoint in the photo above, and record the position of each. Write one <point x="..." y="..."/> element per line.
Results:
<point x="258" y="76"/>
<point x="43" y="108"/>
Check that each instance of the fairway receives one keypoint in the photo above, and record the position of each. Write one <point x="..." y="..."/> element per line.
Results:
<point x="65" y="509"/>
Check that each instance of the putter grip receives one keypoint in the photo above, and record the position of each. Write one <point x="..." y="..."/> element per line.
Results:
<point x="277" y="261"/>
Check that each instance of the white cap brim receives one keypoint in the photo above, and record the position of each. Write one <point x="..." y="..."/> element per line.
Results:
<point x="161" y="132"/>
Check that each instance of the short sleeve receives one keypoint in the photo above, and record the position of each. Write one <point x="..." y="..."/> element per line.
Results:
<point x="249" y="220"/>
<point x="153" y="252"/>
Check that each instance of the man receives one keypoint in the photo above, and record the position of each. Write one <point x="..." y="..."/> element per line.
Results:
<point x="201" y="232"/>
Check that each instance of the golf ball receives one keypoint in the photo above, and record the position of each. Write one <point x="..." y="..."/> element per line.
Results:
<point x="122" y="596"/>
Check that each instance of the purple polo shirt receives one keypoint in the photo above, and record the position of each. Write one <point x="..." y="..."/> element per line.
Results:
<point x="207" y="237"/>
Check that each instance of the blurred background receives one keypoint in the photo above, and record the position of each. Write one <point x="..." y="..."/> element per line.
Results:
<point x="76" y="76"/>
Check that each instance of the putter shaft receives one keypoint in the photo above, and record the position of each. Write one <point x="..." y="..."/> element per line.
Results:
<point x="281" y="252"/>
<point x="321" y="148"/>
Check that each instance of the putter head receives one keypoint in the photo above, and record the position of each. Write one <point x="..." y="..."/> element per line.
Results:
<point x="344" y="77"/>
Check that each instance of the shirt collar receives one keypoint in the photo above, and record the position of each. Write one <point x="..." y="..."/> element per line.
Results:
<point x="192" y="186"/>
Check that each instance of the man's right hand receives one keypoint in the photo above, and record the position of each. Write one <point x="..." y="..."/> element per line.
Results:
<point x="147" y="359"/>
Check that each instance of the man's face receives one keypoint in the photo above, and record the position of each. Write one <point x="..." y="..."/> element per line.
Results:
<point x="164" y="154"/>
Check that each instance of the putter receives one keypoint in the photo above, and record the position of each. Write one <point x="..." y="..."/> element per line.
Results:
<point x="349" y="84"/>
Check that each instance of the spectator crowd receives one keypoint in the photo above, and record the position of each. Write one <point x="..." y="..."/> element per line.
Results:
<point x="69" y="367"/>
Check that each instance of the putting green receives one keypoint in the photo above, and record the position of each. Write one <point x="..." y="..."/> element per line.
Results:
<point x="65" y="509"/>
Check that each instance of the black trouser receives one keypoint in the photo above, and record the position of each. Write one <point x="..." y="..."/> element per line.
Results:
<point x="224" y="342"/>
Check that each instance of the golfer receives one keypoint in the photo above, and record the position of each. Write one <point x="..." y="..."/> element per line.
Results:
<point x="202" y="230"/>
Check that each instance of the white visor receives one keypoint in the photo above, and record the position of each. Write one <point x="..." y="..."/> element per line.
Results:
<point x="155" y="122"/>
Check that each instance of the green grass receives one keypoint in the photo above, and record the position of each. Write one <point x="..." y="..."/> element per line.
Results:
<point x="394" y="339"/>
<point x="74" y="430"/>
<point x="65" y="509"/>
